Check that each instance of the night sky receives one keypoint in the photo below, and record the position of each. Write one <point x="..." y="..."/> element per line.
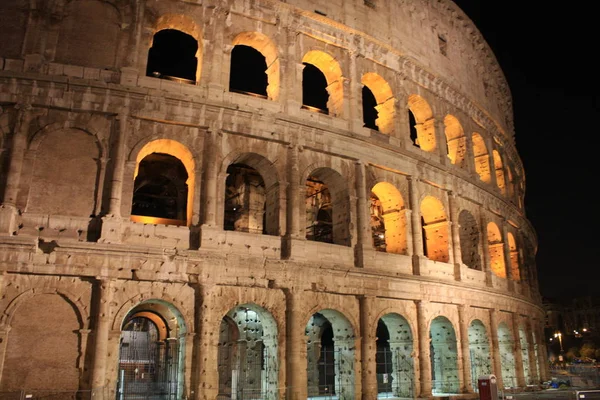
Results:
<point x="547" y="52"/>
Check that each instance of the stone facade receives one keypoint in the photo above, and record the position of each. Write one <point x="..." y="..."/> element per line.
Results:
<point x="167" y="228"/>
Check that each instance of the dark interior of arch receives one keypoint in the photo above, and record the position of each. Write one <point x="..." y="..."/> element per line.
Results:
<point x="412" y="123"/>
<point x="173" y="54"/>
<point x="160" y="189"/>
<point x="383" y="358"/>
<point x="369" y="112"/>
<point x="247" y="74"/>
<point x="327" y="361"/>
<point x="314" y="88"/>
<point x="245" y="200"/>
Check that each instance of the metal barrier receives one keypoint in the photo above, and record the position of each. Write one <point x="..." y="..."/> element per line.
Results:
<point x="25" y="394"/>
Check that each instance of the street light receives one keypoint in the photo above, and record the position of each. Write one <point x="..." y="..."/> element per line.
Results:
<point x="559" y="336"/>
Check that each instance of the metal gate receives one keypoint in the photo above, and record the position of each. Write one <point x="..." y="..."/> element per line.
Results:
<point x="395" y="374"/>
<point x="329" y="376"/>
<point x="243" y="372"/>
<point x="148" y="369"/>
<point x="480" y="365"/>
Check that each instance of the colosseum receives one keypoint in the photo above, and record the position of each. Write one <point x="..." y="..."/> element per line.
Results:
<point x="260" y="199"/>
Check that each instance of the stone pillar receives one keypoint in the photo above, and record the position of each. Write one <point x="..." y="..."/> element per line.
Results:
<point x="4" y="331"/>
<point x="130" y="70"/>
<point x="507" y="260"/>
<point x="293" y="197"/>
<point x="189" y="340"/>
<point x="295" y="350"/>
<point x="424" y="350"/>
<point x="212" y="177"/>
<point x="368" y="348"/>
<point x="101" y="332"/>
<point x="518" y="349"/>
<point x="533" y="371"/>
<point x="9" y="212"/>
<point x="466" y="387"/>
<point x="100" y="188"/>
<point x="486" y="249"/>
<point x="116" y="188"/>
<point x="417" y="237"/>
<point x="455" y="234"/>
<point x="495" y="350"/>
<point x="365" y="242"/>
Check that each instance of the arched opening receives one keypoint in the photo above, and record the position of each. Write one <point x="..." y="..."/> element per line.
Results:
<point x="322" y="83"/>
<point x="496" y="250"/>
<point x="499" y="167"/>
<point x="151" y="352"/>
<point x="456" y="141"/>
<point x="479" y="352"/>
<point x="395" y="367"/>
<point x="314" y="89"/>
<point x="378" y="103"/>
<point x="247" y="354"/>
<point x="245" y="205"/>
<point x="444" y="357"/>
<point x="507" y="357"/>
<point x="412" y="122"/>
<point x="174" y="155"/>
<point x="327" y="207"/>
<point x="173" y="56"/>
<point x="370" y="114"/>
<point x="160" y="189"/>
<point x="388" y="219"/>
<point x="435" y="230"/>
<point x="482" y="158"/>
<point x="424" y="127"/>
<point x="330" y="356"/>
<point x="525" y="356"/>
<point x="469" y="235"/>
<point x="248" y="71"/>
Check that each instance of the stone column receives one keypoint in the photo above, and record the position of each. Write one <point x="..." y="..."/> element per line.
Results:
<point x="486" y="249"/>
<point x="130" y="69"/>
<point x="100" y="187"/>
<point x="295" y="350"/>
<point x="116" y="188"/>
<point x="368" y="348"/>
<point x="424" y="350"/>
<point x="506" y="254"/>
<point x="365" y="242"/>
<point x="189" y="340"/>
<point x="293" y="197"/>
<point x="466" y="387"/>
<point x="495" y="350"/>
<point x="101" y="331"/>
<point x="417" y="238"/>
<point x="533" y="371"/>
<point x="8" y="212"/>
<point x="212" y="177"/>
<point x="520" y="372"/>
<point x="455" y="234"/>
<point x="4" y="331"/>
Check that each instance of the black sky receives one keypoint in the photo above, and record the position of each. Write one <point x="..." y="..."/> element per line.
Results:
<point x="547" y="52"/>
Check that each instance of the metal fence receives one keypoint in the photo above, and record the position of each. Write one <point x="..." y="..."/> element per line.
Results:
<point x="98" y="393"/>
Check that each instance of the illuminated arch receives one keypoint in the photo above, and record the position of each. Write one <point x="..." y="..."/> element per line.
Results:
<point x="435" y="229"/>
<point x="499" y="167"/>
<point x="455" y="140"/>
<point x="496" y="250"/>
<point x="425" y="127"/>
<point x="394" y="217"/>
<point x="386" y="103"/>
<point x="267" y="48"/>
<point x="186" y="25"/>
<point x="179" y="151"/>
<point x="482" y="158"/>
<point x="333" y="74"/>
